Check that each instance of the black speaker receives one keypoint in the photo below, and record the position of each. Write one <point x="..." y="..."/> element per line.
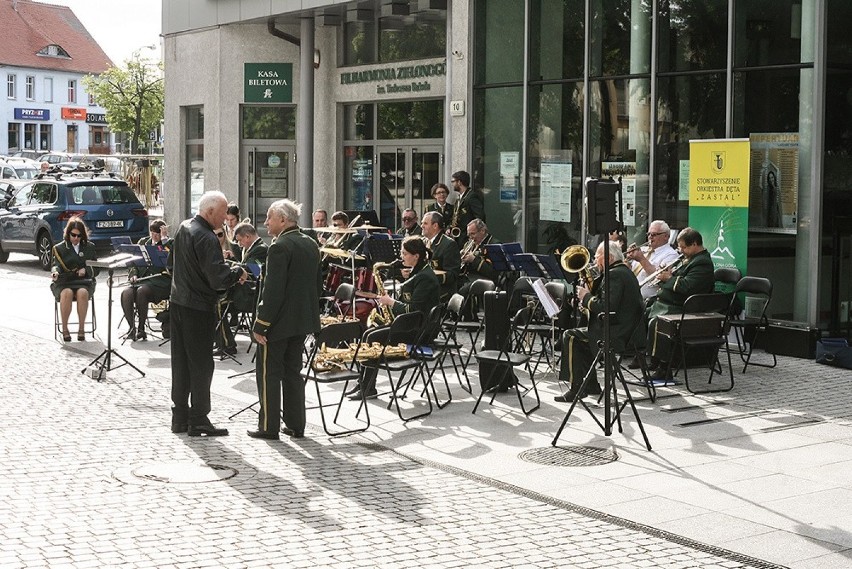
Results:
<point x="602" y="206"/>
<point x="497" y="333"/>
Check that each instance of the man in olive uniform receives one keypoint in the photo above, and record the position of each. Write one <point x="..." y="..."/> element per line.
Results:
<point x="580" y="345"/>
<point x="287" y="313"/>
<point x="445" y="253"/>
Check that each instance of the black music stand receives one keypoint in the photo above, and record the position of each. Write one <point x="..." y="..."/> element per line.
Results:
<point x="104" y="360"/>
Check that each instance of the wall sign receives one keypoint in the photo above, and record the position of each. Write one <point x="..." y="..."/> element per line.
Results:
<point x="268" y="83"/>
<point x="96" y="118"/>
<point x="32" y="114"/>
<point x="73" y="113"/>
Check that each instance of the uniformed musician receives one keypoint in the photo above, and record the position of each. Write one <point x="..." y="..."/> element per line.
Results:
<point x="73" y="279"/>
<point x="155" y="287"/>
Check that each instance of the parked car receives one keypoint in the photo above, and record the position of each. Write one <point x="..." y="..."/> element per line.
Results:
<point x="31" y="154"/>
<point x="8" y="189"/>
<point x="35" y="217"/>
<point x="18" y="169"/>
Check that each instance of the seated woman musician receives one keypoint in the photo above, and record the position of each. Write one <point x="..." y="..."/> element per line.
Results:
<point x="73" y="279"/>
<point x="147" y="284"/>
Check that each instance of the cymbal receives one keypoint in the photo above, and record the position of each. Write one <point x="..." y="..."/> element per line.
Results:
<point x="335" y="229"/>
<point x="341" y="253"/>
<point x="370" y="227"/>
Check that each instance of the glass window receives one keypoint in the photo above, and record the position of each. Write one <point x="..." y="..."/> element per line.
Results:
<point x="400" y="41"/>
<point x="555" y="166"/>
<point x="14" y="135"/>
<point x="410" y="119"/>
<point x="72" y="90"/>
<point x="29" y="135"/>
<point x="838" y="48"/>
<point x="499" y="41"/>
<point x="11" y="87"/>
<point x="620" y="37"/>
<point x="766" y="101"/>
<point x="359" y="42"/>
<point x="195" y="123"/>
<point x="769" y="32"/>
<point x="30" y="88"/>
<point x="693" y="35"/>
<point x="557" y="39"/>
<point x="262" y="122"/>
<point x="45" y="135"/>
<point x="194" y="156"/>
<point x="92" y="102"/>
<point x="43" y="194"/>
<point x="358" y="122"/>
<point x="688" y="107"/>
<point x="48" y="90"/>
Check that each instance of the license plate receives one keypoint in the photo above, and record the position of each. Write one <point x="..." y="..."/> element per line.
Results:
<point x="116" y="223"/>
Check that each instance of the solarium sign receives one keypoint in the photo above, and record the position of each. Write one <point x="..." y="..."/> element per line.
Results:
<point x="403" y="79"/>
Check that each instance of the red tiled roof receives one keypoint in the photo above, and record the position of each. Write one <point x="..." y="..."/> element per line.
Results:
<point x="35" y="26"/>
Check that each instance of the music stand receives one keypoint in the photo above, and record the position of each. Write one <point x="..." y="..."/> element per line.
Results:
<point x="383" y="248"/>
<point x="528" y="263"/>
<point x="104" y="360"/>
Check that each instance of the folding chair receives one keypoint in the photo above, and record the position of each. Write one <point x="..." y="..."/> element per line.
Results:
<point x="703" y="324"/>
<point x="635" y="348"/>
<point x="749" y="328"/>
<point x="474" y="329"/>
<point x="508" y="357"/>
<point x="343" y="370"/>
<point x="449" y="343"/>
<point x="405" y="329"/>
<point x="89" y="326"/>
<point x="726" y="279"/>
<point x="432" y="350"/>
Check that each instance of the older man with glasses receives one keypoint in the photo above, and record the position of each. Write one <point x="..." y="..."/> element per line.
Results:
<point x="646" y="260"/>
<point x="409" y="224"/>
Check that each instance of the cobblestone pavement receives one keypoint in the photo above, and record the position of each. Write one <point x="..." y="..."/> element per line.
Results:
<point x="92" y="477"/>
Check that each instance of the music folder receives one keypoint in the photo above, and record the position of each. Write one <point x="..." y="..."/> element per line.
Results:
<point x="158" y="255"/>
<point x="135" y="251"/>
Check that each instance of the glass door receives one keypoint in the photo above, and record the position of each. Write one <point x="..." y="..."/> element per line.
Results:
<point x="405" y="179"/>
<point x="268" y="177"/>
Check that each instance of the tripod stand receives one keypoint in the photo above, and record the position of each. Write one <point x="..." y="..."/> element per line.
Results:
<point x="104" y="361"/>
<point x="606" y="356"/>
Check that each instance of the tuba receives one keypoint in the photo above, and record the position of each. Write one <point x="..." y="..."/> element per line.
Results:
<point x="381" y="315"/>
<point x="576" y="259"/>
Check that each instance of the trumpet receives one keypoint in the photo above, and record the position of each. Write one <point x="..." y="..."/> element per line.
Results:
<point x="653" y="278"/>
<point x="632" y="247"/>
<point x="576" y="259"/>
<point x="471" y="247"/>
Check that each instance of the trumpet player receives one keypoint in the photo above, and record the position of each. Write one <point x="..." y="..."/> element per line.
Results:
<point x="475" y="264"/>
<point x="645" y="261"/>
<point x="694" y="276"/>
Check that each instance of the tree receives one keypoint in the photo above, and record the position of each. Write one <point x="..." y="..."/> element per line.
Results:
<point x="132" y="96"/>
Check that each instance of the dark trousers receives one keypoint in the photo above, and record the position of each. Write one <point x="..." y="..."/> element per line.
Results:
<point x="577" y="357"/>
<point x="279" y="366"/>
<point x="192" y="363"/>
<point x="135" y="300"/>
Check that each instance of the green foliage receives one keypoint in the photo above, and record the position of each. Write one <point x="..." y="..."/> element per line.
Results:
<point x="132" y="96"/>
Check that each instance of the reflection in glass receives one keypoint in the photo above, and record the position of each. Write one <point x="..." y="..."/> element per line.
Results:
<point x="499" y="41"/>
<point x="620" y="37"/>
<point x="769" y="32"/>
<point x="556" y="39"/>
<point x="358" y="121"/>
<point x="267" y="122"/>
<point x="401" y="41"/>
<point x="392" y="184"/>
<point x="410" y="120"/>
<point x="194" y="123"/>
<point x="194" y="175"/>
<point x="693" y="35"/>
<point x="425" y="174"/>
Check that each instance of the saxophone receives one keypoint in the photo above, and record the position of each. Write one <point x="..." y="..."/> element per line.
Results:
<point x="455" y="230"/>
<point x="381" y="315"/>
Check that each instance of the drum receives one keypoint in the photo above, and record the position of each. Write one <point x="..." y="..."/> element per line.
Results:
<point x="364" y="281"/>
<point x="363" y="307"/>
<point x="333" y="278"/>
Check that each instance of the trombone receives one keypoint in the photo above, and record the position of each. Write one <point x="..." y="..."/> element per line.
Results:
<point x="653" y="278"/>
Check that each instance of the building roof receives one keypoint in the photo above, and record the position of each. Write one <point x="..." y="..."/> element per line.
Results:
<point x="30" y="27"/>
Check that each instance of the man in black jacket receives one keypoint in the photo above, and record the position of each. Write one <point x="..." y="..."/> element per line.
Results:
<point x="470" y="204"/>
<point x="287" y="312"/>
<point x="580" y="345"/>
<point x="199" y="275"/>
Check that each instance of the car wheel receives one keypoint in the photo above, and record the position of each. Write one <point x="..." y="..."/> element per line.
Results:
<point x="44" y="247"/>
<point x="4" y="256"/>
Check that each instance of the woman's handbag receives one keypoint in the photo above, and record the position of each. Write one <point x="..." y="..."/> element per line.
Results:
<point x="834" y="352"/>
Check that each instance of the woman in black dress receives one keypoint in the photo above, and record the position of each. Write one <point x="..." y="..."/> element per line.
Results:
<point x="73" y="279"/>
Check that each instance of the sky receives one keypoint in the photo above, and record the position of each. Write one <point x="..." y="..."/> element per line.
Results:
<point x="120" y="26"/>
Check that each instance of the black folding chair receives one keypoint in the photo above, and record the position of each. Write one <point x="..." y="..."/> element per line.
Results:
<point x="509" y="356"/>
<point x="344" y="370"/>
<point x="432" y="350"/>
<point x="748" y="329"/>
<point x="474" y="329"/>
<point x="449" y="340"/>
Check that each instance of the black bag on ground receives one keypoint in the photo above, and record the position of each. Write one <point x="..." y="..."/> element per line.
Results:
<point x="165" y="320"/>
<point x="834" y="352"/>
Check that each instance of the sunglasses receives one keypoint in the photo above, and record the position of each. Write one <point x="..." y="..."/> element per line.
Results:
<point x="75" y="235"/>
<point x="219" y="233"/>
<point x="409" y="219"/>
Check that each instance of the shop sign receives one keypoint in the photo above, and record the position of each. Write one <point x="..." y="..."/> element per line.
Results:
<point x="32" y="114"/>
<point x="402" y="79"/>
<point x="96" y="118"/>
<point x="268" y="83"/>
<point x="73" y="113"/>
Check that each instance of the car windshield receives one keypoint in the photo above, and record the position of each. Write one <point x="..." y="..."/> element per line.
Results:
<point x="102" y="194"/>
<point x="26" y="172"/>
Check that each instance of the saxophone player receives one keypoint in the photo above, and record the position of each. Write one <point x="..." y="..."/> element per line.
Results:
<point x="421" y="291"/>
<point x="470" y="204"/>
<point x="444" y="250"/>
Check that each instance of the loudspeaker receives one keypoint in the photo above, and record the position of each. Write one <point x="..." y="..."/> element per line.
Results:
<point x="602" y="206"/>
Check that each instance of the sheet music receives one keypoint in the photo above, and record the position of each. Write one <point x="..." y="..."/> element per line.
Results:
<point x="115" y="261"/>
<point x="547" y="301"/>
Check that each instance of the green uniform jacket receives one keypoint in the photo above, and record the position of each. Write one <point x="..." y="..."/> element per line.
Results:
<point x="163" y="280"/>
<point x="481" y="266"/>
<point x="66" y="261"/>
<point x="420" y="292"/>
<point x="289" y="302"/>
<point x="695" y="277"/>
<point x="446" y="212"/>
<point x="471" y="206"/>
<point x="625" y="300"/>
<point x="445" y="257"/>
<point x="256" y="254"/>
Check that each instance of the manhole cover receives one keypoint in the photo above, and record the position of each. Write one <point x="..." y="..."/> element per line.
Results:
<point x="184" y="472"/>
<point x="570" y="456"/>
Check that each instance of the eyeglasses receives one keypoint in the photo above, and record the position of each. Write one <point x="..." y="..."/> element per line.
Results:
<point x="409" y="218"/>
<point x="655" y="233"/>
<point x="219" y="233"/>
<point x="442" y="192"/>
<point x="75" y="235"/>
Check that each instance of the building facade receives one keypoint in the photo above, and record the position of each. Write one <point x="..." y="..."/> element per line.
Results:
<point x="354" y="105"/>
<point x="44" y="54"/>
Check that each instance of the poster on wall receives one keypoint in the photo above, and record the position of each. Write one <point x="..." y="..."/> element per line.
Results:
<point x="362" y="179"/>
<point x="627" y="172"/>
<point x="719" y="198"/>
<point x="555" y="203"/>
<point x="774" y="196"/>
<point x="510" y="168"/>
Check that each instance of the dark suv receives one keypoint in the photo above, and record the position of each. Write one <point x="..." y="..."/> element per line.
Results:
<point x="34" y="219"/>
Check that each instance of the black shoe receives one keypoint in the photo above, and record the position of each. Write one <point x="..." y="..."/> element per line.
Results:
<point x="206" y="431"/>
<point x="141" y="335"/>
<point x="264" y="435"/>
<point x="566" y="397"/>
<point x="353" y="390"/>
<point x="368" y="394"/>
<point x="291" y="433"/>
<point x="131" y="335"/>
<point x="179" y="427"/>
<point x="226" y="351"/>
<point x="635" y="363"/>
